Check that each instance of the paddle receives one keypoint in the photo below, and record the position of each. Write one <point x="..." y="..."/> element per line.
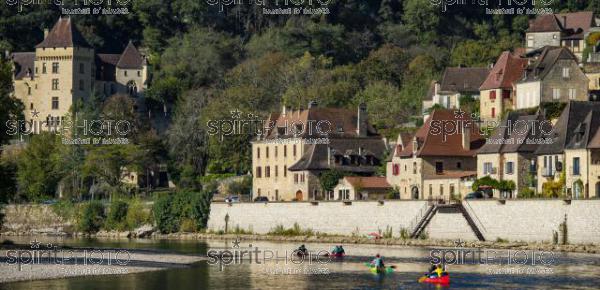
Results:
<point x="371" y="265"/>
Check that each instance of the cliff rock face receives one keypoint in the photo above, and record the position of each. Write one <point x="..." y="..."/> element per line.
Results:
<point x="34" y="219"/>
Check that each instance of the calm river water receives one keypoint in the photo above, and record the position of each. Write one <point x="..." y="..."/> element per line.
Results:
<point x="565" y="271"/>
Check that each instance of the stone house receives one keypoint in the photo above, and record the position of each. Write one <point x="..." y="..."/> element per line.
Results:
<point x="64" y="68"/>
<point x="299" y="145"/>
<point x="455" y="82"/>
<point x="567" y="30"/>
<point x="362" y="188"/>
<point x="509" y="152"/>
<point x="570" y="133"/>
<point x="497" y="93"/>
<point x="553" y="75"/>
<point x="440" y="159"/>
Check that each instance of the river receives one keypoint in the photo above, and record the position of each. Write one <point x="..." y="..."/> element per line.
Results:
<point x="273" y="271"/>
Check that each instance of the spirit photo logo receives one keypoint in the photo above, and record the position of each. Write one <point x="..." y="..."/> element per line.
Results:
<point x="60" y="3"/>
<point x="267" y="3"/>
<point x="444" y="4"/>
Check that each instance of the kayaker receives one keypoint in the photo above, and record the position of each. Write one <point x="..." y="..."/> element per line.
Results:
<point x="302" y="250"/>
<point x="341" y="250"/>
<point x="378" y="263"/>
<point x="435" y="271"/>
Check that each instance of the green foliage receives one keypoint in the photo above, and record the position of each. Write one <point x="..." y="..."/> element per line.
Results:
<point x="92" y="217"/>
<point x="526" y="193"/>
<point x="388" y="233"/>
<point x="329" y="179"/>
<point x="469" y="104"/>
<point x="553" y="110"/>
<point x="243" y="186"/>
<point x="12" y="108"/>
<point x="137" y="214"/>
<point x="171" y="210"/>
<point x="554" y="188"/>
<point x="485" y="181"/>
<point x="39" y="167"/>
<point x="117" y="215"/>
<point x="295" y="230"/>
<point x="65" y="209"/>
<point x="394" y="193"/>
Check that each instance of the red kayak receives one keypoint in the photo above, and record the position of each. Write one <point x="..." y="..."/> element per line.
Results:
<point x="436" y="280"/>
<point x="337" y="255"/>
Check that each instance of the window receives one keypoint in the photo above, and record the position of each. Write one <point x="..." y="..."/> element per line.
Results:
<point x="81" y="85"/>
<point x="267" y="171"/>
<point x="267" y="152"/>
<point x="284" y="150"/>
<point x="556" y="94"/>
<point x="414" y="167"/>
<point x="31" y="106"/>
<point x="430" y="189"/>
<point x="505" y="94"/>
<point x="82" y="68"/>
<point x="565" y="72"/>
<point x="509" y="167"/>
<point x="576" y="166"/>
<point x="55" y="67"/>
<point x="55" y="84"/>
<point x="257" y="153"/>
<point x="451" y="189"/>
<point x="492" y="95"/>
<point x="285" y="171"/>
<point x="125" y="73"/>
<point x="294" y="151"/>
<point x="441" y="189"/>
<point x="487" y="168"/>
<point x="572" y="94"/>
<point x="258" y="172"/>
<point x="29" y="90"/>
<point x="43" y="68"/>
<point x="396" y="169"/>
<point x="295" y="177"/>
<point x="54" y="103"/>
<point x="493" y="112"/>
<point x="276" y="173"/>
<point x="139" y="73"/>
<point x="458" y="165"/>
<point x="275" y="151"/>
<point x="439" y="167"/>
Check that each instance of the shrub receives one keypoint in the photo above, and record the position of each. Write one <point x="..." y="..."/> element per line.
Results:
<point x="64" y="209"/>
<point x="295" y="230"/>
<point x="117" y="214"/>
<point x="387" y="234"/>
<point x="188" y="225"/>
<point x="165" y="218"/>
<point x="137" y="215"/>
<point x="404" y="234"/>
<point x="92" y="217"/>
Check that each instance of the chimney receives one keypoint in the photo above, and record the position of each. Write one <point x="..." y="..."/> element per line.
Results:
<point x="312" y="104"/>
<point x="361" y="120"/>
<point x="436" y="88"/>
<point x="45" y="33"/>
<point x="564" y="21"/>
<point x="466" y="137"/>
<point x="284" y="111"/>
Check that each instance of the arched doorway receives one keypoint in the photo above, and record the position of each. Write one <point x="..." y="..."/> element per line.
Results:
<point x="131" y="88"/>
<point x="414" y="192"/>
<point x="577" y="189"/>
<point x="299" y="195"/>
<point x="598" y="189"/>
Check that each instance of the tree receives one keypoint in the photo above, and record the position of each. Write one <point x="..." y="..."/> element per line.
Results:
<point x="39" y="167"/>
<point x="329" y="179"/>
<point x="11" y="110"/>
<point x="422" y="18"/>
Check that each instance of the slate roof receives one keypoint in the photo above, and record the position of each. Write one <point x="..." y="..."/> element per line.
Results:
<point x="432" y="143"/>
<point x="371" y="182"/>
<point x="463" y="79"/>
<point x="522" y="126"/>
<point x="540" y="67"/>
<point x="64" y="34"/>
<point x="507" y="70"/>
<point x="585" y="132"/>
<point x="567" y="124"/>
<point x="24" y="63"/>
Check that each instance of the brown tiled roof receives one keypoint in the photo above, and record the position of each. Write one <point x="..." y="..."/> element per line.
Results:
<point x="507" y="70"/>
<point x="343" y="121"/>
<point x="463" y="79"/>
<point x="130" y="58"/>
<point x="548" y="55"/>
<point x="24" y="63"/>
<point x="576" y="26"/>
<point x="432" y="143"/>
<point x="453" y="174"/>
<point x="371" y="182"/>
<point x="64" y="34"/>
